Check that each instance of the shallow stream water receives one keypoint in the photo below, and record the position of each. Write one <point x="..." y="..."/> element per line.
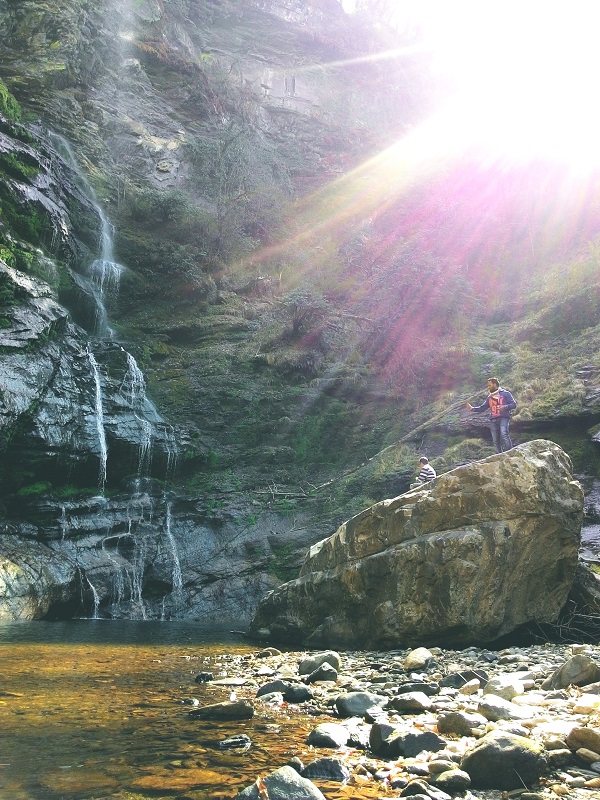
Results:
<point x="93" y="709"/>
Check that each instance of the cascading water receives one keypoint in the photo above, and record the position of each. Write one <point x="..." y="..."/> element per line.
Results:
<point x="96" y="598"/>
<point x="104" y="273"/>
<point x="63" y="522"/>
<point x="99" y="416"/>
<point x="129" y="554"/>
<point x="101" y="281"/>
<point x="133" y="387"/>
<point x="134" y="383"/>
<point x="177" y="576"/>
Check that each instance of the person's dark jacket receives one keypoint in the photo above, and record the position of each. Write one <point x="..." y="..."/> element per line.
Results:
<point x="500" y="404"/>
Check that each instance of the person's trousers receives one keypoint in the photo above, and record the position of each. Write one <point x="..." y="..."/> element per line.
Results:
<point x="500" y="436"/>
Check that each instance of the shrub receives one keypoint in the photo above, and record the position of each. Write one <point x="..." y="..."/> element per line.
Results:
<point x="8" y="103"/>
<point x="34" y="490"/>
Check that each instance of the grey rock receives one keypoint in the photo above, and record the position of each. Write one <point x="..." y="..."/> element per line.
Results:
<point x="410" y="703"/>
<point x="583" y="736"/>
<point x="237" y="709"/>
<point x="238" y="742"/>
<point x="329" y="769"/>
<point x="456" y="680"/>
<point x="496" y="708"/>
<point x="292" y="692"/>
<point x="328" y="734"/>
<point x="387" y="741"/>
<point x="33" y="578"/>
<point x="453" y="780"/>
<point x="310" y="664"/>
<point x="271" y="697"/>
<point x="460" y="723"/>
<point x="579" y="670"/>
<point x="418" y="789"/>
<point x="324" y="672"/>
<point x="430" y="689"/>
<point x="505" y="686"/>
<point x="417" y="659"/>
<point x="357" y="704"/>
<point x="282" y="784"/>
<point x="504" y="761"/>
<point x="204" y="677"/>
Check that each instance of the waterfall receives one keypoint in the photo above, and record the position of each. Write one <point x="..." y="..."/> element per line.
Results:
<point x="96" y="597"/>
<point x="177" y="579"/>
<point x="151" y="425"/>
<point x="99" y="415"/>
<point x="146" y="441"/>
<point x="137" y="577"/>
<point x="136" y="514"/>
<point x="172" y="450"/>
<point x="121" y="409"/>
<point x="65" y="525"/>
<point x="104" y="273"/>
<point x="134" y="383"/>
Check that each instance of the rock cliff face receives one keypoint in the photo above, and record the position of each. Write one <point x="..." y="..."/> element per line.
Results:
<point x="75" y="418"/>
<point x="468" y="557"/>
<point x="146" y="100"/>
<point x="155" y="201"/>
<point x="68" y="391"/>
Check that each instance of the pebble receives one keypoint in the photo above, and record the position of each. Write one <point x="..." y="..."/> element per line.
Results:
<point x="459" y="696"/>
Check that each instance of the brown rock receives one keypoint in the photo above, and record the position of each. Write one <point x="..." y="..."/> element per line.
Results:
<point x="237" y="709"/>
<point x="472" y="555"/>
<point x="588" y="738"/>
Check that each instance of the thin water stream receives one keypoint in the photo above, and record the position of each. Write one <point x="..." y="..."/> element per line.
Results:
<point x="93" y="709"/>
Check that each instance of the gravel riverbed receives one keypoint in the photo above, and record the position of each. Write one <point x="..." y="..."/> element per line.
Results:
<point x="426" y="723"/>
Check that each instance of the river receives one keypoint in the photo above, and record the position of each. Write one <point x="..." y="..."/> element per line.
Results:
<point x="95" y="709"/>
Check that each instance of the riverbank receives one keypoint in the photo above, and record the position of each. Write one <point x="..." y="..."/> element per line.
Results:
<point x="475" y="723"/>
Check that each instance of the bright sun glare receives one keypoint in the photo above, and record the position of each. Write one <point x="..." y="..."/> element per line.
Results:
<point x="523" y="74"/>
<point x="519" y="82"/>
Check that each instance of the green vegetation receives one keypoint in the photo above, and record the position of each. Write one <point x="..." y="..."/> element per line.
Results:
<point x="8" y="104"/>
<point x="34" y="490"/>
<point x="29" y="222"/>
<point x="16" y="255"/>
<point x="21" y="167"/>
<point x="70" y="492"/>
<point x="283" y="565"/>
<point x="10" y="293"/>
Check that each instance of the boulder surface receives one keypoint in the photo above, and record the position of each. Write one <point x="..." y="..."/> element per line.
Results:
<point x="469" y="557"/>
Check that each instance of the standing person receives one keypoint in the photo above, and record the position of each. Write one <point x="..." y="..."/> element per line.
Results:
<point x="426" y="472"/>
<point x="500" y="403"/>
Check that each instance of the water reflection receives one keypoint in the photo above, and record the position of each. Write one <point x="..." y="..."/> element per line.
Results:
<point x="101" y="632"/>
<point x="94" y="709"/>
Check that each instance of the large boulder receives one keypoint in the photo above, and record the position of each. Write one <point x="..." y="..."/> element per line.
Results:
<point x="469" y="557"/>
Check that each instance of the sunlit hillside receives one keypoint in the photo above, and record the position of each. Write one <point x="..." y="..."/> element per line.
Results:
<point x="332" y="234"/>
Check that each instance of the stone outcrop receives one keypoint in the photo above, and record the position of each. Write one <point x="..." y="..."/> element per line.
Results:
<point x="467" y="557"/>
<point x="32" y="579"/>
<point x="585" y="593"/>
<point x="135" y="556"/>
